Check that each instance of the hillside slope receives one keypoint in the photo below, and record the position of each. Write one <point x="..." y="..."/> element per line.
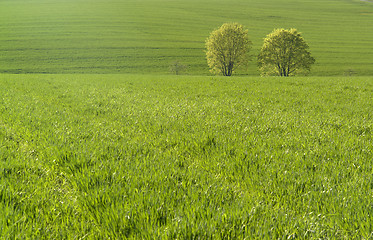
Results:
<point x="130" y="36"/>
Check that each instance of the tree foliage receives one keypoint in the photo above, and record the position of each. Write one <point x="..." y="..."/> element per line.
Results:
<point x="227" y="48"/>
<point x="284" y="53"/>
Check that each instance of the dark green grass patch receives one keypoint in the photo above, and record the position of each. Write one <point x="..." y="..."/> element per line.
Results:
<point x="140" y="157"/>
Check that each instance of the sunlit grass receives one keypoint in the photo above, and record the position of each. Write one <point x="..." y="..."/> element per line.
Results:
<point x="116" y="156"/>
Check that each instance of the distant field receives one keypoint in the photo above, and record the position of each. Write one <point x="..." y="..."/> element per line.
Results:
<point x="144" y="157"/>
<point x="133" y="36"/>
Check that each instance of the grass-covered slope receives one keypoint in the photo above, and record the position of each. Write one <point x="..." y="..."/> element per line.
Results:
<point x="111" y="36"/>
<point x="116" y="156"/>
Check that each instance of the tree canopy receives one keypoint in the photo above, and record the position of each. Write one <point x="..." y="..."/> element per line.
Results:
<point x="284" y="53"/>
<point x="227" y="48"/>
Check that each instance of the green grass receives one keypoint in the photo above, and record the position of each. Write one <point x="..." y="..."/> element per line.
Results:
<point x="162" y="157"/>
<point x="132" y="36"/>
<point x="114" y="156"/>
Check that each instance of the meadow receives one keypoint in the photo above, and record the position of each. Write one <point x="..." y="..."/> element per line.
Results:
<point x="133" y="36"/>
<point x="185" y="157"/>
<point x="99" y="141"/>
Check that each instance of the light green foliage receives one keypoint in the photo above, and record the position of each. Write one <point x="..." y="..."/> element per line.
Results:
<point x="284" y="53"/>
<point x="175" y="157"/>
<point x="227" y="48"/>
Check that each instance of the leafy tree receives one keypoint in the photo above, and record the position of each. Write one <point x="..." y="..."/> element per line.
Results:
<point x="284" y="53"/>
<point x="227" y="48"/>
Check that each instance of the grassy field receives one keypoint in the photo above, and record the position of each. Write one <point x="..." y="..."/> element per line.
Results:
<point x="132" y="36"/>
<point x="154" y="156"/>
<point x="162" y="157"/>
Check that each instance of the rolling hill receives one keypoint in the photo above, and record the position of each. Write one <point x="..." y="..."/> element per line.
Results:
<point x="131" y="36"/>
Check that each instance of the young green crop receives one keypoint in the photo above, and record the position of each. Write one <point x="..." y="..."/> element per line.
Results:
<point x="140" y="157"/>
<point x="131" y="36"/>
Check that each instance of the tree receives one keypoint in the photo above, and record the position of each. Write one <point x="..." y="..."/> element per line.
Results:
<point x="227" y="48"/>
<point x="284" y="53"/>
<point x="176" y="67"/>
